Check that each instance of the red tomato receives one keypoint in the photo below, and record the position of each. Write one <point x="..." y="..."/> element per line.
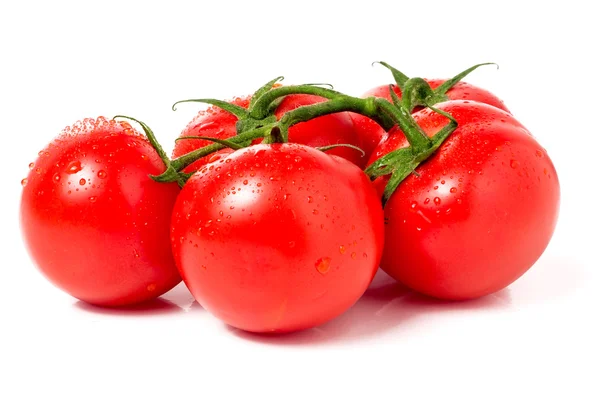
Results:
<point x="478" y="213"/>
<point x="277" y="238"/>
<point x="95" y="224"/>
<point x="322" y="131"/>
<point x="371" y="133"/>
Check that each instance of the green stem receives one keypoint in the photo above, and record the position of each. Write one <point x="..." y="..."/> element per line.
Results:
<point x="413" y="132"/>
<point x="260" y="109"/>
<point x="170" y="171"/>
<point x="187" y="159"/>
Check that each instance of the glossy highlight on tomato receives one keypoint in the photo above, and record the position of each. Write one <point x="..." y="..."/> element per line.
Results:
<point x="478" y="213"/>
<point x="277" y="238"/>
<point x="94" y="222"/>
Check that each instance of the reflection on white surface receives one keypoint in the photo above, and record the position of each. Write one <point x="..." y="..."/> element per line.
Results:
<point x="385" y="306"/>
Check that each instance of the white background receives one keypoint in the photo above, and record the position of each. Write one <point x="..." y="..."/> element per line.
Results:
<point x="61" y="62"/>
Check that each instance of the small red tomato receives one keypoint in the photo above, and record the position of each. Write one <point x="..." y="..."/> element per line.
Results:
<point x="478" y="213"/>
<point x="371" y="133"/>
<point x="322" y="131"/>
<point x="277" y="238"/>
<point x="94" y="222"/>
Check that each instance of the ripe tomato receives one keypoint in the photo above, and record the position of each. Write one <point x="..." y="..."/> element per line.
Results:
<point x="371" y="133"/>
<point x="478" y="213"/>
<point x="322" y="131"/>
<point x="277" y="238"/>
<point x="94" y="222"/>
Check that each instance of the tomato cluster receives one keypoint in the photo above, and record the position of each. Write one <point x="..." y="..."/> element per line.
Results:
<point x="267" y="213"/>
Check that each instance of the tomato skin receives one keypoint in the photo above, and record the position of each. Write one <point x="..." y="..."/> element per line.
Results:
<point x="322" y="131"/>
<point x="94" y="222"/>
<point x="277" y="238"/>
<point x="371" y="133"/>
<point x="480" y="212"/>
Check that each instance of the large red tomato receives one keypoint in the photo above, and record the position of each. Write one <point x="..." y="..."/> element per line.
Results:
<point x="322" y="131"/>
<point x="94" y="222"/>
<point x="277" y="238"/>
<point x="478" y="213"/>
<point x="371" y="133"/>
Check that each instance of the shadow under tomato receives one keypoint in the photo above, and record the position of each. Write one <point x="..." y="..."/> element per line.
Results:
<point x="150" y="308"/>
<point x="181" y="296"/>
<point x="386" y="305"/>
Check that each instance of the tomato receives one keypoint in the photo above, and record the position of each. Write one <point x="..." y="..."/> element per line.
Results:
<point x="371" y="133"/>
<point x="94" y="222"/>
<point x="478" y="213"/>
<point x="277" y="238"/>
<point x="322" y="131"/>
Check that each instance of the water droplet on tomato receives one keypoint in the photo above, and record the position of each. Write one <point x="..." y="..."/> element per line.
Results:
<point x="353" y="255"/>
<point x="101" y="174"/>
<point x="82" y="181"/>
<point x="74" y="167"/>
<point x="437" y="201"/>
<point x="342" y="249"/>
<point x="93" y="199"/>
<point x="514" y="164"/>
<point x="413" y="205"/>
<point x="24" y="182"/>
<point x="310" y="199"/>
<point x="31" y="165"/>
<point x="453" y="190"/>
<point x="323" y="265"/>
<point x="315" y="212"/>
<point x="539" y="153"/>
<point x="427" y="200"/>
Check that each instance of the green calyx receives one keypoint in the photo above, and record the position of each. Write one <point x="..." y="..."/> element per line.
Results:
<point x="399" y="164"/>
<point x="425" y="96"/>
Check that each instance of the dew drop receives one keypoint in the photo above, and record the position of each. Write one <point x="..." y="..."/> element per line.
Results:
<point x="101" y="174"/>
<point x="453" y="190"/>
<point x="437" y="201"/>
<point x="24" y="182"/>
<point x="310" y="199"/>
<point x="537" y="153"/>
<point x="245" y="181"/>
<point x="74" y="167"/>
<point x="56" y="178"/>
<point x="323" y="265"/>
<point x="82" y="181"/>
<point x="413" y="205"/>
<point x="427" y="200"/>
<point x="31" y="165"/>
<point x="342" y="249"/>
<point x="514" y="164"/>
<point x="93" y="199"/>
<point x="315" y="212"/>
